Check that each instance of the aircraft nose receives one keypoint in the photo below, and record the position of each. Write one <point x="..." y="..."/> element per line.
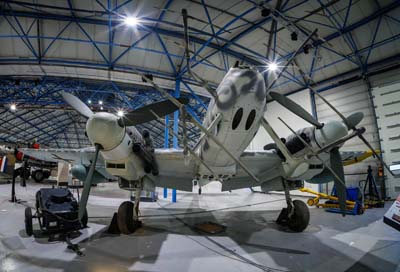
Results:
<point x="102" y="128"/>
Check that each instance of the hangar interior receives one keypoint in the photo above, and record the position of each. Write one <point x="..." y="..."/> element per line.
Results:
<point x="104" y="51"/>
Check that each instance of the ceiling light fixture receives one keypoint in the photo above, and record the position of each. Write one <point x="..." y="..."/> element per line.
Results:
<point x="131" y="21"/>
<point x="100" y="102"/>
<point x="265" y="12"/>
<point x="120" y="113"/>
<point x="272" y="66"/>
<point x="13" y="107"/>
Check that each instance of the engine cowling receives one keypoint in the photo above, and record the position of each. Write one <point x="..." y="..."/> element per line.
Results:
<point x="80" y="172"/>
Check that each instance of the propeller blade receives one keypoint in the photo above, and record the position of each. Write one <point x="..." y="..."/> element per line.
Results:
<point x="376" y="154"/>
<point x="77" y="104"/>
<point x="337" y="167"/>
<point x="295" y="108"/>
<point x="354" y="119"/>
<point x="332" y="107"/>
<point x="146" y="113"/>
<point x="87" y="185"/>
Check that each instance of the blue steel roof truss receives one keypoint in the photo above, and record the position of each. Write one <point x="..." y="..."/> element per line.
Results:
<point x="35" y="98"/>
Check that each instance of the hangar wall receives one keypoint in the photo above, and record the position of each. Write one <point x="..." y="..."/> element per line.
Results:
<point x="387" y="100"/>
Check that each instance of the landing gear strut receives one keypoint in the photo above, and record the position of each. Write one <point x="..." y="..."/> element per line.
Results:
<point x="128" y="213"/>
<point x="296" y="216"/>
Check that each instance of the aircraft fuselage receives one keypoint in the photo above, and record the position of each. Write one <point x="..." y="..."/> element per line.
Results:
<point x="241" y="104"/>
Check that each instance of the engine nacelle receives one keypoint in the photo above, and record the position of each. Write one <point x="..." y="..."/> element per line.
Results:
<point x="147" y="157"/>
<point x="276" y="185"/>
<point x="80" y="172"/>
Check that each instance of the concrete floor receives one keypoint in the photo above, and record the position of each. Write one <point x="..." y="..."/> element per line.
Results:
<point x="167" y="242"/>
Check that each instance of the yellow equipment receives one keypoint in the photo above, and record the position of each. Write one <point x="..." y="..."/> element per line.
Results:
<point x="315" y="201"/>
<point x="360" y="158"/>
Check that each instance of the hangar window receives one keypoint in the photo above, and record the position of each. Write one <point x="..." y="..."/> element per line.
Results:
<point x="237" y="118"/>
<point x="250" y="119"/>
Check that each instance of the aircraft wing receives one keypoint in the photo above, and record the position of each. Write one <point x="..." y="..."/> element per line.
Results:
<point x="74" y="156"/>
<point x="82" y="156"/>
<point x="265" y="165"/>
<point x="173" y="173"/>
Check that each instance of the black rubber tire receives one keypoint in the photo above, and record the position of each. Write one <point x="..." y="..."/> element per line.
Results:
<point x="147" y="168"/>
<point x="38" y="176"/>
<point x="46" y="174"/>
<point x="28" y="221"/>
<point x="125" y="218"/>
<point x="300" y="218"/>
<point x="155" y="172"/>
<point x="199" y="191"/>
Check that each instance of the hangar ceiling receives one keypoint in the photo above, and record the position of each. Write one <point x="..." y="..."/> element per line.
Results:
<point x="84" y="47"/>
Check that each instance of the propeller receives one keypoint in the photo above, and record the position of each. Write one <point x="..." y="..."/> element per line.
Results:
<point x="88" y="185"/>
<point x="132" y="118"/>
<point x="351" y="122"/>
<point x="295" y="108"/>
<point x="77" y="104"/>
<point x="146" y="113"/>
<point x="337" y="167"/>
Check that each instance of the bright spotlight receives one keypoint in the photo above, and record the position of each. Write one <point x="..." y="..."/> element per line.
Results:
<point x="100" y="102"/>
<point x="89" y="101"/>
<point x="13" y="107"/>
<point x="273" y="66"/>
<point x="101" y="108"/>
<point x="120" y="113"/>
<point x="131" y="20"/>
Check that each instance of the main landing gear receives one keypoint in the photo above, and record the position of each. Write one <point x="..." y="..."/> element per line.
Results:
<point x="128" y="214"/>
<point x="296" y="216"/>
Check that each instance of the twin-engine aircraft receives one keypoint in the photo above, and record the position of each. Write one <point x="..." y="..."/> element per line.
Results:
<point x="235" y="113"/>
<point x="230" y="124"/>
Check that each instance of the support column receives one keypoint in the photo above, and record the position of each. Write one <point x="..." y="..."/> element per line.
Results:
<point x="176" y="126"/>
<point x="166" y="145"/>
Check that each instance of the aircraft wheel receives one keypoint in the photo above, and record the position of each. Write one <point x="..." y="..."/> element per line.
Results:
<point x="200" y="191"/>
<point x="38" y="175"/>
<point x="28" y="221"/>
<point x="147" y="168"/>
<point x="125" y="218"/>
<point x="300" y="217"/>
